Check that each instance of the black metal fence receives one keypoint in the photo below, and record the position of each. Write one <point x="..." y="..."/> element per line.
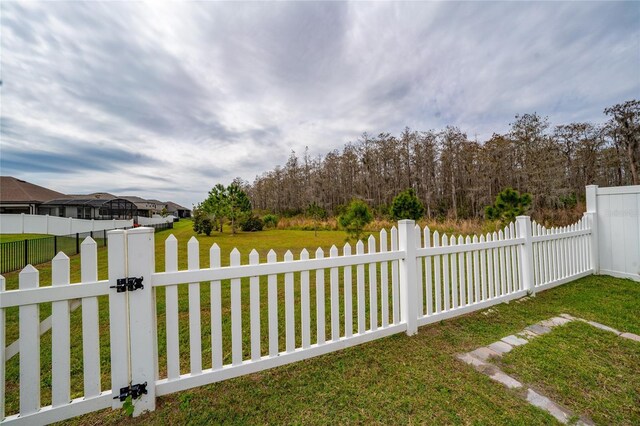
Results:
<point x="16" y="255"/>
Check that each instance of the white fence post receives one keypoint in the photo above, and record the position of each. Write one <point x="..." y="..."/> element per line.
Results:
<point x="526" y="253"/>
<point x="142" y="316"/>
<point x="592" y="213"/>
<point x="408" y="278"/>
<point x="118" y="315"/>
<point x="592" y="221"/>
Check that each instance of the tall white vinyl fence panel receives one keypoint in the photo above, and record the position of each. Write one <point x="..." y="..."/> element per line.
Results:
<point x="53" y="225"/>
<point x="617" y="211"/>
<point x="261" y="311"/>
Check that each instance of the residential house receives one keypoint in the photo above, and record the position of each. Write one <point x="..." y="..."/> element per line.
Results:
<point x="19" y="196"/>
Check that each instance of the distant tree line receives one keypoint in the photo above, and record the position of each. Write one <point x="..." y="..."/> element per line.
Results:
<point x="455" y="176"/>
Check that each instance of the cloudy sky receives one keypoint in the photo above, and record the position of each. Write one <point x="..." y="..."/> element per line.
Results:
<point x="164" y="100"/>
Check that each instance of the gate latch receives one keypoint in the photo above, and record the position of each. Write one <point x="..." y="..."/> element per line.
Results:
<point x="128" y="284"/>
<point x="136" y="391"/>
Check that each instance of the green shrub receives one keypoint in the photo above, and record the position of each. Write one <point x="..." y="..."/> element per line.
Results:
<point x="206" y="226"/>
<point x="509" y="204"/>
<point x="252" y="224"/>
<point x="356" y="216"/>
<point x="270" y="220"/>
<point x="406" y="206"/>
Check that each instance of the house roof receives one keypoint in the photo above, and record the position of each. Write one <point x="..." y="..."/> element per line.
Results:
<point x="172" y="207"/>
<point x="91" y="202"/>
<point x="14" y="190"/>
<point x="141" y="203"/>
<point x="95" y="195"/>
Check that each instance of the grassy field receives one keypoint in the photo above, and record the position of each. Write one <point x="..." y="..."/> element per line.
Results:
<point x="399" y="379"/>
<point x="590" y="371"/>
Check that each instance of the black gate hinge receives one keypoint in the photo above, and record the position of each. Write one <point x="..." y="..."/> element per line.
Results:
<point x="128" y="284"/>
<point x="136" y="391"/>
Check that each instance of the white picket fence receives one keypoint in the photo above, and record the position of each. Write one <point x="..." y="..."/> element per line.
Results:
<point x="399" y="281"/>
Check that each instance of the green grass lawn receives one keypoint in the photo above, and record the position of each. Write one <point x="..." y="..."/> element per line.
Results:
<point x="590" y="371"/>
<point x="5" y="238"/>
<point x="398" y="379"/>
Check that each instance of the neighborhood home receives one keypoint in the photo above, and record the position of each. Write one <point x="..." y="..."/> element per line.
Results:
<point x="18" y="196"/>
<point x="90" y="208"/>
<point x="177" y="210"/>
<point x="146" y="208"/>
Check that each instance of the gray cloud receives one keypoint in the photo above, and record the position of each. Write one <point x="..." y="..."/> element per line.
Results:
<point x="183" y="95"/>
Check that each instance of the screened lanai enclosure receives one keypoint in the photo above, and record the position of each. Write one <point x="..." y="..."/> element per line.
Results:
<point x="90" y="208"/>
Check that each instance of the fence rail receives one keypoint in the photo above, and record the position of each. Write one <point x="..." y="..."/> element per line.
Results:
<point x="266" y="312"/>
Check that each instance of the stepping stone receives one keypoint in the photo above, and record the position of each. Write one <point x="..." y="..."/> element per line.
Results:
<point x="559" y="320"/>
<point x="505" y="379"/>
<point x="547" y="323"/>
<point x="603" y="327"/>
<point x="514" y="340"/>
<point x="569" y="317"/>
<point x="500" y="347"/>
<point x="549" y="406"/>
<point x="471" y="360"/>
<point x="538" y="329"/>
<point x="527" y="334"/>
<point x="631" y="336"/>
<point x="484" y="353"/>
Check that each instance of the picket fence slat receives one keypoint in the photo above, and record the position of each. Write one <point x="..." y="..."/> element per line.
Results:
<point x="436" y="273"/>
<point x="428" y="280"/>
<point x="445" y="275"/>
<point x="348" y="294"/>
<point x="272" y="300"/>
<point x="90" y="326"/>
<point x="60" y="335"/>
<point x="476" y="272"/>
<point x="455" y="285"/>
<point x="384" y="281"/>
<point x="419" y="284"/>
<point x="195" y="336"/>
<point x="360" y="289"/>
<point x="29" y="325"/>
<point x="509" y="281"/>
<point x="305" y="302"/>
<point x="216" y="310"/>
<point x="373" y="288"/>
<point x="289" y="314"/>
<point x="395" y="293"/>
<point x="254" y="309"/>
<point x="236" y="312"/>
<point x="320" y="313"/>
<point x="335" y="297"/>
<point x="171" y="309"/>
<point x="496" y="263"/>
